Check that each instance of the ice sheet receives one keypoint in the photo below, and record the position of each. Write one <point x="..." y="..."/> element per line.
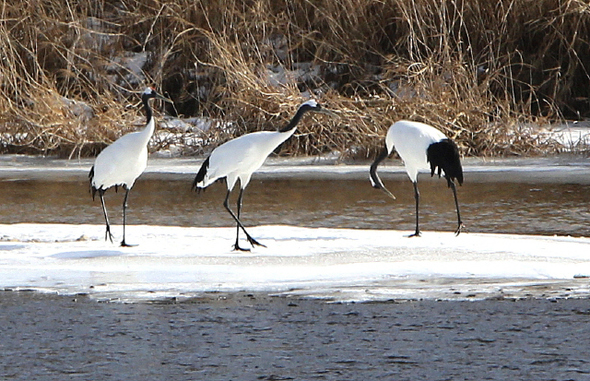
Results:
<point x="337" y="264"/>
<point x="570" y="169"/>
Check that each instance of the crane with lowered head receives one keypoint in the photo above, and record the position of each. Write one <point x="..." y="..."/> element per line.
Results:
<point x="421" y="147"/>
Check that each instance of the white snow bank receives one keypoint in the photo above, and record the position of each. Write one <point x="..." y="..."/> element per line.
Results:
<point x="573" y="136"/>
<point x="339" y="264"/>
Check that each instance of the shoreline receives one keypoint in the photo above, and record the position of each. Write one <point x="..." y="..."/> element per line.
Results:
<point x="557" y="169"/>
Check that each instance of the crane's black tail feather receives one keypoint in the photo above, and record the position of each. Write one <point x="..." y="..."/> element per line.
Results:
<point x="444" y="156"/>
<point x="201" y="175"/>
<point x="92" y="189"/>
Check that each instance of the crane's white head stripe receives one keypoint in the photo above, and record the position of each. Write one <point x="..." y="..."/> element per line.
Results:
<point x="311" y="103"/>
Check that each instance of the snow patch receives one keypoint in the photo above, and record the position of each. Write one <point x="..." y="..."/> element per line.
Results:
<point x="337" y="264"/>
<point x="573" y="136"/>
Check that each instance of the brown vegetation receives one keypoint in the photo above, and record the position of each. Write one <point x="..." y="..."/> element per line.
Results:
<point x="480" y="70"/>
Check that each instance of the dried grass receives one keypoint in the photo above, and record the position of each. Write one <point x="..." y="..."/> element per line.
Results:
<point x="482" y="71"/>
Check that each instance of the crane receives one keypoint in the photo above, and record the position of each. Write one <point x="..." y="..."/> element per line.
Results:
<point x="421" y="147"/>
<point x="122" y="162"/>
<point x="238" y="158"/>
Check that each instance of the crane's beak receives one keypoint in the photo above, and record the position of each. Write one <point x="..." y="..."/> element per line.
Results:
<point x="374" y="177"/>
<point x="387" y="192"/>
<point x="158" y="96"/>
<point x="326" y="112"/>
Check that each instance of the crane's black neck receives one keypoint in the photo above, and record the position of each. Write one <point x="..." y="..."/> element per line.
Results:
<point x="147" y="108"/>
<point x="293" y="123"/>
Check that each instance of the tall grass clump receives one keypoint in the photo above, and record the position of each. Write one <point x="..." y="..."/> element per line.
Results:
<point x="484" y="72"/>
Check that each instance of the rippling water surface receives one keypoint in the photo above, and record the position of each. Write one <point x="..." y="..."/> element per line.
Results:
<point x="492" y="207"/>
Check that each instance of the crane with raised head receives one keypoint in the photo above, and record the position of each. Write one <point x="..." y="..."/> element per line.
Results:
<point x="122" y="162"/>
<point x="238" y="158"/>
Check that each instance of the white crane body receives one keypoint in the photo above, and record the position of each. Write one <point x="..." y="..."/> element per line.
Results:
<point x="411" y="141"/>
<point x="122" y="162"/>
<point x="421" y="147"/>
<point x="240" y="157"/>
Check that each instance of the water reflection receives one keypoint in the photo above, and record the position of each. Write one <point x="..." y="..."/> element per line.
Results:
<point x="498" y="207"/>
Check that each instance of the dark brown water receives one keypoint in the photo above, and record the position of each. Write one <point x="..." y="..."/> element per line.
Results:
<point x="491" y="207"/>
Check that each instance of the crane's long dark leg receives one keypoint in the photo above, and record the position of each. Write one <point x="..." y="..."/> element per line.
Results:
<point x="459" y="222"/>
<point x="107" y="234"/>
<point x="417" y="198"/>
<point x="238" y="222"/>
<point x="239" y="205"/>
<point x="123" y="243"/>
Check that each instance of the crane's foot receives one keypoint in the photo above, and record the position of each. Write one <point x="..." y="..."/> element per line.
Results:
<point x="417" y="233"/>
<point x="108" y="235"/>
<point x="254" y="242"/>
<point x="239" y="248"/>
<point x="125" y="244"/>
<point x="459" y="229"/>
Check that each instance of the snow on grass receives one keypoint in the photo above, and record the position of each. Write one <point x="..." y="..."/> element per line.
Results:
<point x="572" y="136"/>
<point x="338" y="264"/>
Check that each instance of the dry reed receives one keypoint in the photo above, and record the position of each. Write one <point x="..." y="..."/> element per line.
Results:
<point x="485" y="72"/>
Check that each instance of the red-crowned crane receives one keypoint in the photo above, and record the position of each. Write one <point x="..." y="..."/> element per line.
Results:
<point x="240" y="157"/>
<point x="121" y="163"/>
<point x="421" y="147"/>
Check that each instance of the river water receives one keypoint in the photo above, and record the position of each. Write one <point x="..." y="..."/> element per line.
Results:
<point x="491" y="207"/>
